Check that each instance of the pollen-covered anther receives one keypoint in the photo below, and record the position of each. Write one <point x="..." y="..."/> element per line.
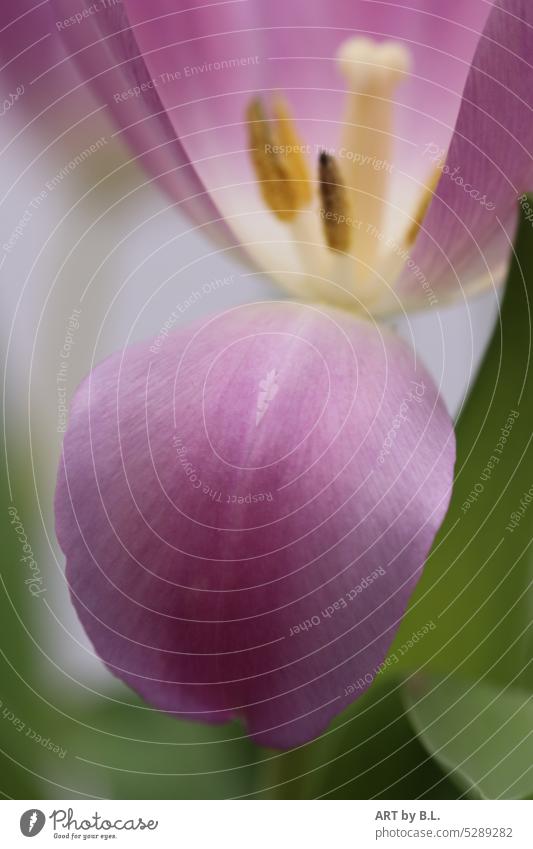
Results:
<point x="335" y="205"/>
<point x="290" y="143"/>
<point x="278" y="159"/>
<point x="420" y="214"/>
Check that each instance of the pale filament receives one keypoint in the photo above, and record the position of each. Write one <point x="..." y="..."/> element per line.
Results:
<point x="373" y="72"/>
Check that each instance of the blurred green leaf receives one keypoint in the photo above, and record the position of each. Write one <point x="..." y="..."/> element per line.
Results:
<point x="131" y="751"/>
<point x="17" y="774"/>
<point x="475" y="586"/>
<point x="371" y="751"/>
<point x="481" y="736"/>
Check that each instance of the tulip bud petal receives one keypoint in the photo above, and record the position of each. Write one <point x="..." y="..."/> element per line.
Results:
<point x="246" y="509"/>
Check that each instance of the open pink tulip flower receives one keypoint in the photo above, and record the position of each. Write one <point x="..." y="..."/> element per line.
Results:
<point x="424" y="107"/>
<point x="246" y="505"/>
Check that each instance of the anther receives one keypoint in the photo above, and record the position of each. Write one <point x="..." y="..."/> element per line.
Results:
<point x="335" y="211"/>
<point x="278" y="160"/>
<point x="294" y="151"/>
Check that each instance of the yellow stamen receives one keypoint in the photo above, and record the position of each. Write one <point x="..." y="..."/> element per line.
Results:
<point x="290" y="142"/>
<point x="427" y="197"/>
<point x="335" y="212"/>
<point x="278" y="159"/>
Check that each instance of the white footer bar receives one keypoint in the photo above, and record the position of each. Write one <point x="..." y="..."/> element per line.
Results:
<point x="267" y="824"/>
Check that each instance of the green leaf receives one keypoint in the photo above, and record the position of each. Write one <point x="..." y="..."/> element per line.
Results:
<point x="131" y="751"/>
<point x="371" y="751"/>
<point x="480" y="735"/>
<point x="476" y="584"/>
<point x="19" y="777"/>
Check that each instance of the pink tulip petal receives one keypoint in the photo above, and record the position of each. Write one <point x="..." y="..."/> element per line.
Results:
<point x="104" y="50"/>
<point x="464" y="237"/>
<point x="246" y="507"/>
<point x="35" y="94"/>
<point x="292" y="47"/>
<point x="26" y="36"/>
